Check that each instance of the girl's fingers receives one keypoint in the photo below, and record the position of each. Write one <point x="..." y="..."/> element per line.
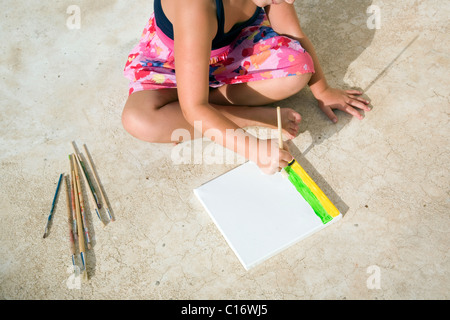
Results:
<point x="284" y="160"/>
<point x="286" y="147"/>
<point x="283" y="164"/>
<point x="358" y="104"/>
<point x="329" y="113"/>
<point x="357" y="92"/>
<point x="349" y="109"/>
<point x="285" y="156"/>
<point x="359" y="99"/>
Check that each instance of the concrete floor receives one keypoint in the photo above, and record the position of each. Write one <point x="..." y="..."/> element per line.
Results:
<point x="388" y="174"/>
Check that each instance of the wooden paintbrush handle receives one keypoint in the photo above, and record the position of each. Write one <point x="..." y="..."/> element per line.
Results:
<point x="280" y="134"/>
<point x="78" y="213"/>
<point x="69" y="216"/>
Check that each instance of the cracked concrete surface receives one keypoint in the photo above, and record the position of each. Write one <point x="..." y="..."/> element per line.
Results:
<point x="388" y="174"/>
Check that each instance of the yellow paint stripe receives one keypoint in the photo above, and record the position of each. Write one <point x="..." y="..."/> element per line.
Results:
<point x="326" y="203"/>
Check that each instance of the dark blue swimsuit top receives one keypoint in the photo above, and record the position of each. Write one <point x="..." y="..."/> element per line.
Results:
<point x="221" y="39"/>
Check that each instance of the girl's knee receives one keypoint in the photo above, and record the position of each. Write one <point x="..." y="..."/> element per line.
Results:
<point x="294" y="84"/>
<point x="290" y="85"/>
<point x="130" y="120"/>
<point x="139" y="123"/>
<point x="140" y="116"/>
<point x="263" y="91"/>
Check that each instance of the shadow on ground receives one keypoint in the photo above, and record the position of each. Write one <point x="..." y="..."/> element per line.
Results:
<point x="339" y="40"/>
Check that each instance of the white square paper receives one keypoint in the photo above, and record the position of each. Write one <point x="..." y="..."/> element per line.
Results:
<point x="259" y="215"/>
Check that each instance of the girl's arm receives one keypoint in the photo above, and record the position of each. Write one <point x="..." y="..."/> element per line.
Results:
<point x="284" y="21"/>
<point x="195" y="25"/>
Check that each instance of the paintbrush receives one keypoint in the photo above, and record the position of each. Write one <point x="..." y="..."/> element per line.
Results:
<point x="93" y="196"/>
<point x="53" y="206"/>
<point x="306" y="186"/>
<point x="72" y="192"/>
<point x="81" y="239"/>
<point x="86" y="175"/>
<point x="69" y="218"/>
<point x="81" y="202"/>
<point x="74" y="215"/>
<point x="280" y="137"/>
<point x="98" y="183"/>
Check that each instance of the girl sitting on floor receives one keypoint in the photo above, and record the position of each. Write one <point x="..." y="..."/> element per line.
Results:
<point x="219" y="62"/>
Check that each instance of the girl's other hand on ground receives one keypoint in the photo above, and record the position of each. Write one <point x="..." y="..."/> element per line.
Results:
<point x="346" y="100"/>
<point x="272" y="159"/>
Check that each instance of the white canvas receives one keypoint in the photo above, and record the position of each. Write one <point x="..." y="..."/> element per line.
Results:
<point x="259" y="215"/>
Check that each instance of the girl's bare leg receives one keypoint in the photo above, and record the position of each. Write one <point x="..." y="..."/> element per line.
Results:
<point x="231" y="99"/>
<point x="153" y="115"/>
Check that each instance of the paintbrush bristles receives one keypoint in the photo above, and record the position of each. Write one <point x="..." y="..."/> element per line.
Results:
<point x="88" y="156"/>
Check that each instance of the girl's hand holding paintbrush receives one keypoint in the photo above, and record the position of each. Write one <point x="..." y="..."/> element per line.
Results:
<point x="273" y="159"/>
<point x="277" y="155"/>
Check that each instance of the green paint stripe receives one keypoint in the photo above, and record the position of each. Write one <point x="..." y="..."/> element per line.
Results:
<point x="308" y="195"/>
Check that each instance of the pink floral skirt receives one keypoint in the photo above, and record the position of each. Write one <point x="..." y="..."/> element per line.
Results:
<point x="258" y="53"/>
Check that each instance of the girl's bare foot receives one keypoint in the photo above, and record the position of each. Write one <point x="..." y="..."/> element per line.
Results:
<point x="290" y="120"/>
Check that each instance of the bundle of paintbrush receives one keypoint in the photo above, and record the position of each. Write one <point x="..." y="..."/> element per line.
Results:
<point x="80" y="225"/>
<point x="76" y="205"/>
